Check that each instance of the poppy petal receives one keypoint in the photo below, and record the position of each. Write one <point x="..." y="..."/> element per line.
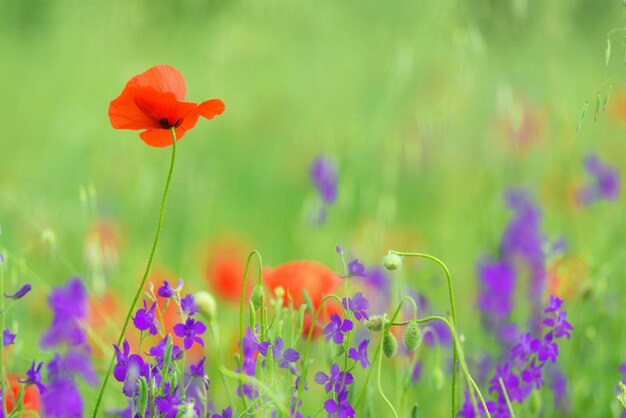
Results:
<point x="160" y="137"/>
<point x="207" y="110"/>
<point x="163" y="78"/>
<point x="125" y="114"/>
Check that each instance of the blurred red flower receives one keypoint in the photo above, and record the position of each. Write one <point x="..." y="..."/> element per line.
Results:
<point x="31" y="396"/>
<point x="154" y="101"/>
<point x="316" y="278"/>
<point x="225" y="267"/>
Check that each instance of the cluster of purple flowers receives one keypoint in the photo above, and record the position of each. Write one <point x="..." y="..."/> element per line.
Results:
<point x="521" y="251"/>
<point x="153" y="384"/>
<point x="338" y="381"/>
<point x="523" y="372"/>
<point x="605" y="184"/>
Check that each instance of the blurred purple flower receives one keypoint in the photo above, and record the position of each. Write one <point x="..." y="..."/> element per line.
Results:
<point x="69" y="309"/>
<point x="188" y="305"/>
<point x="226" y="413"/>
<point x="8" y="338"/>
<point x="284" y="358"/>
<point x="337" y="380"/>
<point x="62" y="400"/>
<point x="33" y="377"/>
<point x="356" y="268"/>
<point x="360" y="354"/>
<point x="197" y="370"/>
<point x="605" y="185"/>
<point x="324" y="175"/>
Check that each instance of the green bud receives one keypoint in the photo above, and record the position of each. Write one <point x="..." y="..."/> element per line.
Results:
<point x="142" y="404"/>
<point x="257" y="296"/>
<point x="252" y="315"/>
<point x="375" y="323"/>
<point x="413" y="336"/>
<point x="206" y="304"/>
<point x="390" y="346"/>
<point x="621" y="397"/>
<point x="392" y="261"/>
<point x="167" y="357"/>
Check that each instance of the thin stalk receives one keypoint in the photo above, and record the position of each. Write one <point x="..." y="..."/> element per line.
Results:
<point x="145" y="274"/>
<point x="2" y="314"/>
<point x="506" y="397"/>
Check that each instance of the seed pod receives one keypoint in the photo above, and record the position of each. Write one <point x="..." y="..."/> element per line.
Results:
<point x="375" y="323"/>
<point x="205" y="302"/>
<point x="390" y="346"/>
<point x="257" y="296"/>
<point x="392" y="261"/>
<point x="413" y="336"/>
<point x="142" y="404"/>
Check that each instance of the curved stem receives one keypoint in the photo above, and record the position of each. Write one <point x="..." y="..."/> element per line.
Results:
<point x="3" y="314"/>
<point x="380" y="389"/>
<point x="145" y="274"/>
<point x="506" y="397"/>
<point x="452" y="311"/>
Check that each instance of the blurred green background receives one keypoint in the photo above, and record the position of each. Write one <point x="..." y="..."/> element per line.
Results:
<point x="423" y="104"/>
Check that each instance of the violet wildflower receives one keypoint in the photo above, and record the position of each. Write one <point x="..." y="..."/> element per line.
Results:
<point x="168" y="404"/>
<point x="129" y="368"/>
<point x="356" y="268"/>
<point x="249" y="349"/>
<point x="286" y="357"/>
<point x="341" y="406"/>
<point x="144" y="319"/>
<point x="197" y="370"/>
<point x="8" y="337"/>
<point x="527" y="346"/>
<point x="69" y="308"/>
<point x="324" y="176"/>
<point x="33" y="377"/>
<point x="167" y="291"/>
<point x="190" y="331"/>
<point x="62" y="399"/>
<point x="358" y="305"/>
<point x="20" y="293"/>
<point x="337" y="380"/>
<point x="533" y="374"/>
<point x="360" y="354"/>
<point x="605" y="185"/>
<point x="188" y="305"/>
<point x="158" y="351"/>
<point x="561" y="327"/>
<point x="226" y="413"/>
<point x="336" y="328"/>
<point x="467" y="410"/>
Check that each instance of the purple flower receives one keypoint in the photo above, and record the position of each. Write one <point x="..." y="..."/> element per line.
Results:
<point x="511" y="383"/>
<point x="77" y="361"/>
<point x="188" y="305"/>
<point x="226" y="413"/>
<point x="606" y="184"/>
<point x="20" y="293"/>
<point x="284" y="358"/>
<point x="341" y="406"/>
<point x="357" y="304"/>
<point x="62" y="399"/>
<point x="69" y="308"/>
<point x="498" y="286"/>
<point x="356" y="268"/>
<point x="337" y="381"/>
<point x="33" y="377"/>
<point x="549" y="350"/>
<point x="8" y="338"/>
<point x="144" y="319"/>
<point x="129" y="368"/>
<point x="249" y="348"/>
<point x="467" y="410"/>
<point x="158" y="351"/>
<point x="324" y="176"/>
<point x="527" y="346"/>
<point x="197" y="370"/>
<point x="533" y="374"/>
<point x="336" y="328"/>
<point x="190" y="331"/>
<point x="167" y="291"/>
<point x="360" y="355"/>
<point x="168" y="403"/>
<point x="554" y="305"/>
<point x="562" y="328"/>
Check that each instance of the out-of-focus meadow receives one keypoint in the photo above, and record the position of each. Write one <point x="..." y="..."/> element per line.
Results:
<point x="432" y="110"/>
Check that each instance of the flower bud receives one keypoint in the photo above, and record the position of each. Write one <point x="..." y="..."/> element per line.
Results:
<point x="205" y="302"/>
<point x="413" y="336"/>
<point x="392" y="261"/>
<point x="390" y="346"/>
<point x="257" y="296"/>
<point x="375" y="323"/>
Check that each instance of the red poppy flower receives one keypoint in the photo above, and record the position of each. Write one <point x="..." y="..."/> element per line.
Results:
<point x="30" y="401"/>
<point x="154" y="101"/>
<point x="225" y="267"/>
<point x="316" y="278"/>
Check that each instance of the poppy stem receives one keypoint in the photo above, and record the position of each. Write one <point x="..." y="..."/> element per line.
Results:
<point x="145" y="274"/>
<point x="3" y="313"/>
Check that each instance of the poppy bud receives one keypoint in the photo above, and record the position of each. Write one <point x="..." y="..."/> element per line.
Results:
<point x="205" y="302"/>
<point x="413" y="336"/>
<point x="257" y="296"/>
<point x="252" y="315"/>
<point x="375" y="323"/>
<point x="390" y="346"/>
<point x="392" y="261"/>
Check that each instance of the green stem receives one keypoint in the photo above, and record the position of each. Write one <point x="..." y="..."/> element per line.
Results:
<point x="506" y="397"/>
<point x="145" y="274"/>
<point x="380" y="389"/>
<point x="3" y="314"/>
<point x="452" y="310"/>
